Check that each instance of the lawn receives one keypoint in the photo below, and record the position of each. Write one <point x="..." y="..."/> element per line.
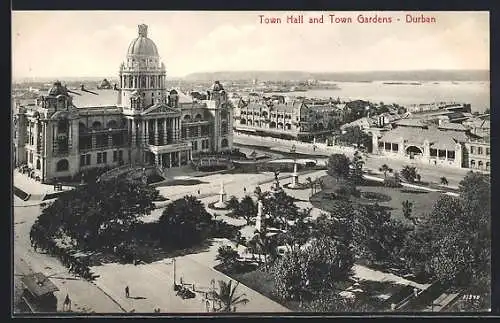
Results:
<point x="423" y="201"/>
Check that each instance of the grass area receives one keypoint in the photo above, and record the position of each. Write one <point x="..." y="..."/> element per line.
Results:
<point x="262" y="282"/>
<point x="423" y="201"/>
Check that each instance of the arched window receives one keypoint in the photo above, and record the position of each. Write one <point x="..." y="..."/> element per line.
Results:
<point x="487" y="165"/>
<point x="62" y="165"/>
<point x="224" y="143"/>
<point x="82" y="127"/>
<point x="62" y="126"/>
<point x="272" y="124"/>
<point x="187" y="117"/>
<point x="243" y="121"/>
<point x="112" y="124"/>
<point x="480" y="164"/>
<point x="198" y="117"/>
<point x="96" y="125"/>
<point x="472" y="163"/>
<point x="38" y="164"/>
<point x="288" y="126"/>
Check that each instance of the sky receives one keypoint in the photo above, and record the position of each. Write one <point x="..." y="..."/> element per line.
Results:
<point x="94" y="43"/>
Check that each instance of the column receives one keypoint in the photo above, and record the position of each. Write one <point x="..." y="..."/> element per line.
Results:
<point x="35" y="139"/>
<point x="134" y="134"/>
<point x="146" y="132"/>
<point x="157" y="159"/>
<point x="178" y="159"/>
<point x="165" y="131"/>
<point x="110" y="140"/>
<point x="161" y="160"/>
<point x="170" y="160"/>
<point x="178" y="128"/>
<point x="157" y="132"/>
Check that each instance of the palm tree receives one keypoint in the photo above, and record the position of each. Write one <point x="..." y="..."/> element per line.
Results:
<point x="226" y="297"/>
<point x="385" y="169"/>
<point x="444" y="181"/>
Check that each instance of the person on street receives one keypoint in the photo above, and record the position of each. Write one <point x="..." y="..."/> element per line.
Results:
<point x="127" y="292"/>
<point x="67" y="303"/>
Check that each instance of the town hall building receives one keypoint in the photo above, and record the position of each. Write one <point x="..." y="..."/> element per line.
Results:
<point x="137" y="121"/>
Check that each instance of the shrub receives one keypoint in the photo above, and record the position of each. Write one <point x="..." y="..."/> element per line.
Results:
<point x="392" y="182"/>
<point x="347" y="190"/>
<point x="376" y="196"/>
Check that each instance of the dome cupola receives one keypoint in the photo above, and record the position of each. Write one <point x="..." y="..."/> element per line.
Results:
<point x="142" y="45"/>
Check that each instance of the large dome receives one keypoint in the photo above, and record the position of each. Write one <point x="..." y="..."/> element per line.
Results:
<point x="142" y="45"/>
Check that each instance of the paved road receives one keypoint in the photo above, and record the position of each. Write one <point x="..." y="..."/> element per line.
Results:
<point x="429" y="173"/>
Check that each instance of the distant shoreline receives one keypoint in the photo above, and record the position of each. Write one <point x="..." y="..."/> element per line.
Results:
<point x="362" y="77"/>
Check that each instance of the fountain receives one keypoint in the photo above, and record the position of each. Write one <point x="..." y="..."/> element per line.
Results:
<point x="221" y="204"/>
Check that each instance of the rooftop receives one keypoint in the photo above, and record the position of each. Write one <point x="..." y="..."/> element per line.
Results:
<point x="438" y="139"/>
<point x="94" y="98"/>
<point x="38" y="284"/>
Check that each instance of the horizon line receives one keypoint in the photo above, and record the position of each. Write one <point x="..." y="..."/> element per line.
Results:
<point x="262" y="71"/>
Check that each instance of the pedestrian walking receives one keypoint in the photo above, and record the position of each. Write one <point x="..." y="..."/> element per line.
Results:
<point x="244" y="189"/>
<point x="67" y="303"/>
<point x="127" y="292"/>
<point x="199" y="192"/>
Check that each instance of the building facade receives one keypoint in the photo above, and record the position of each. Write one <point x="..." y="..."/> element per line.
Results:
<point x="478" y="155"/>
<point x="288" y="119"/>
<point x="137" y="121"/>
<point x="447" y="146"/>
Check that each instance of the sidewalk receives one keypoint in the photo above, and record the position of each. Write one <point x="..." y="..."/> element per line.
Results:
<point x="37" y="190"/>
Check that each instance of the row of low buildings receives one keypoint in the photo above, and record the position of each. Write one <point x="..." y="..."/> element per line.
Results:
<point x="443" y="144"/>
<point x="138" y="121"/>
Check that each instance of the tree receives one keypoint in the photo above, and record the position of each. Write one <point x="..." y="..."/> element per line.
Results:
<point x="455" y="242"/>
<point x="407" y="209"/>
<point x="226" y="297"/>
<point x="356" y="168"/>
<point x="298" y="233"/>
<point x="355" y="136"/>
<point x="409" y="173"/>
<point x="246" y="209"/>
<point x="258" y="192"/>
<point x="227" y="255"/>
<point x="338" y="166"/>
<point x="375" y="236"/>
<point x="444" y="181"/>
<point x="99" y="214"/>
<point x="279" y="207"/>
<point x="185" y="220"/>
<point x="317" y="267"/>
<point x="385" y="169"/>
<point x="233" y="203"/>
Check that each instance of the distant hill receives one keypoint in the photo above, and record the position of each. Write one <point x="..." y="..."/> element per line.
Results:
<point x="419" y="75"/>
